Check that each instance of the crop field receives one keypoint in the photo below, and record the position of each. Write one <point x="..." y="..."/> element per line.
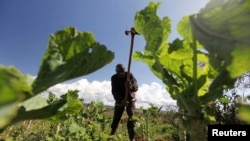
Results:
<point x="93" y="124"/>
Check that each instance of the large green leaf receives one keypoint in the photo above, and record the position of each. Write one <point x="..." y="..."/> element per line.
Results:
<point x="223" y="28"/>
<point x="14" y="88"/>
<point x="186" y="78"/>
<point x="13" y="85"/>
<point x="70" y="54"/>
<point x="155" y="31"/>
<point x="172" y="62"/>
<point x="38" y="107"/>
<point x="44" y="111"/>
<point x="196" y="71"/>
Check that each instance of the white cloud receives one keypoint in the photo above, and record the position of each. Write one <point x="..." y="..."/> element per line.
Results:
<point x="101" y="91"/>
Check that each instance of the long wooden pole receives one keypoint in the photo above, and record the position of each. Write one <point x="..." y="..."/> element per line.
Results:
<point x="133" y="33"/>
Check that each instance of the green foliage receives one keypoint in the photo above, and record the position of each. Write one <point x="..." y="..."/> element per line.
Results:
<point x="14" y="88"/>
<point x="70" y="54"/>
<point x="225" y="36"/>
<point x="197" y="69"/>
<point x="214" y="51"/>
<point x="233" y="107"/>
<point x="226" y="109"/>
<point x="92" y="123"/>
<point x="173" y="62"/>
<point x="154" y="124"/>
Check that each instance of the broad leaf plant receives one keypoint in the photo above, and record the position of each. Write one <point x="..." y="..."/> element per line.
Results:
<point x="70" y="54"/>
<point x="212" y="54"/>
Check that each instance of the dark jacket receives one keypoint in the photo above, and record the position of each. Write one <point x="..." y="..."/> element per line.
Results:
<point x="118" y="88"/>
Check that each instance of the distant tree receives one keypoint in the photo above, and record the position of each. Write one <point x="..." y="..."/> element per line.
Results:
<point x="226" y="108"/>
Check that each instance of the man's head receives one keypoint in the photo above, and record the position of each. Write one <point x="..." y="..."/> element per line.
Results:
<point x="120" y="68"/>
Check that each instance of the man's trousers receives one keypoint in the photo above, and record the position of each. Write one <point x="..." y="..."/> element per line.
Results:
<point x="118" y="111"/>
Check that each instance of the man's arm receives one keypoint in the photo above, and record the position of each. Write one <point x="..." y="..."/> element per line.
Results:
<point x="134" y="84"/>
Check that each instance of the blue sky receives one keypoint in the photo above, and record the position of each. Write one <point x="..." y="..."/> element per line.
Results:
<point x="27" y="24"/>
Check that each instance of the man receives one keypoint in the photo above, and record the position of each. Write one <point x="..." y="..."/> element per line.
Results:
<point x="118" y="84"/>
